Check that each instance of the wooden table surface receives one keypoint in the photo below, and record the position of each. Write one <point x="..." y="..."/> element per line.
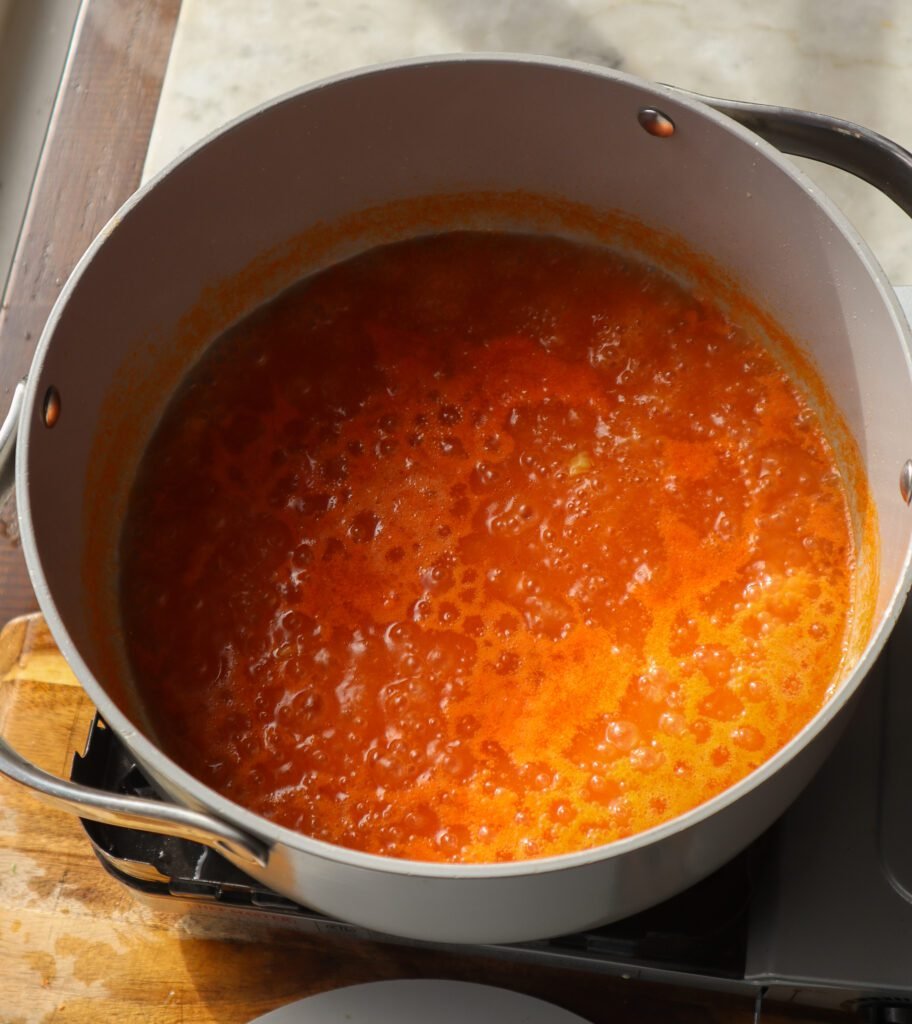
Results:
<point x="74" y="945"/>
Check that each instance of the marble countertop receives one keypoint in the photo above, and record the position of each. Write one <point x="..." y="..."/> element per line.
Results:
<point x="851" y="58"/>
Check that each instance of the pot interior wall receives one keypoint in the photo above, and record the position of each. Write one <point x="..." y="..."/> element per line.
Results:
<point x="284" y="192"/>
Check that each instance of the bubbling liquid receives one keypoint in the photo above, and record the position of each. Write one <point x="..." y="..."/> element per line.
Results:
<point x="484" y="547"/>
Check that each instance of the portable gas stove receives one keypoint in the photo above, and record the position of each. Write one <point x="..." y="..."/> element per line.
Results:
<point x="818" y="911"/>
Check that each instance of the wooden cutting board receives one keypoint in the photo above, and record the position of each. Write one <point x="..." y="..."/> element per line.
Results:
<point x="76" y="946"/>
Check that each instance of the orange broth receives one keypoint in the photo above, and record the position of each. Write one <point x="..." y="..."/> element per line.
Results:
<point x="482" y="547"/>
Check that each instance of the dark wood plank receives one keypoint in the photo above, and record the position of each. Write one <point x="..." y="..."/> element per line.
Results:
<point x="91" y="162"/>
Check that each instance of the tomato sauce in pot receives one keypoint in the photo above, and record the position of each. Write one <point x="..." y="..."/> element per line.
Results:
<point x="482" y="547"/>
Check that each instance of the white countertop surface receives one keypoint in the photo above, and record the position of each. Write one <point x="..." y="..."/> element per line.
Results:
<point x="851" y="58"/>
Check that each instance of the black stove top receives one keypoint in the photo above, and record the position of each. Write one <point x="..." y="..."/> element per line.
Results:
<point x="817" y="911"/>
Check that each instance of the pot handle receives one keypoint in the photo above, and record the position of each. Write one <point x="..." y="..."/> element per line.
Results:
<point x="132" y="811"/>
<point x="8" y="433"/>
<point x="830" y="140"/>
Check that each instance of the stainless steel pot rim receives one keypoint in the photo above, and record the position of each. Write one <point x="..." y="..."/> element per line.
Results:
<point x="211" y="801"/>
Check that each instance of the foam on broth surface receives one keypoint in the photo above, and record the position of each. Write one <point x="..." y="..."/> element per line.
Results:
<point x="484" y="547"/>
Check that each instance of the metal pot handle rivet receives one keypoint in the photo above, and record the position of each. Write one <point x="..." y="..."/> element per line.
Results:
<point x="905" y="481"/>
<point x="51" y="407"/>
<point x="656" y="123"/>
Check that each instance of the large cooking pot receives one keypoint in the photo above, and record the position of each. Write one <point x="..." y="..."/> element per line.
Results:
<point x="283" y="191"/>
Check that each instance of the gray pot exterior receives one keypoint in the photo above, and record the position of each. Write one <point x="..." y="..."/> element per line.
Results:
<point x="427" y="128"/>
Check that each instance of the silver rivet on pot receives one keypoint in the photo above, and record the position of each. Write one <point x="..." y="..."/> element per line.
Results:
<point x="905" y="481"/>
<point x="656" y="123"/>
<point x="51" y="408"/>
